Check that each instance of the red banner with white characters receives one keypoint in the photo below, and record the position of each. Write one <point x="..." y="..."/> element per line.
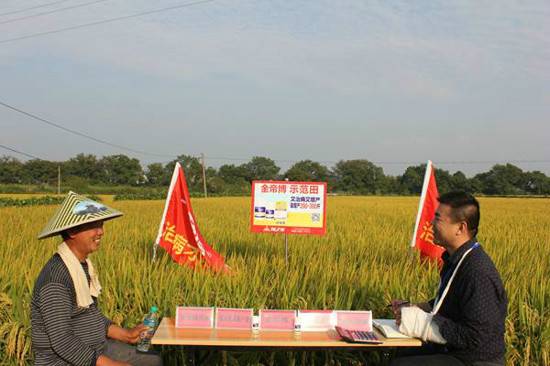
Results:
<point x="179" y="234"/>
<point x="423" y="237"/>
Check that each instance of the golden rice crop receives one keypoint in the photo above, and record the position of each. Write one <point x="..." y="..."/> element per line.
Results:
<point x="361" y="263"/>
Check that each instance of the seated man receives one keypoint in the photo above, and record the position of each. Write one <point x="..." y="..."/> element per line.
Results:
<point x="67" y="326"/>
<point x="464" y="324"/>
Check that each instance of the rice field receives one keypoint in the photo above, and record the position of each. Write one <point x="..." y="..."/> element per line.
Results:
<point x="361" y="263"/>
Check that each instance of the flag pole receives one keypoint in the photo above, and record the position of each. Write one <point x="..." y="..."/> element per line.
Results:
<point x="172" y="184"/>
<point x="421" y="203"/>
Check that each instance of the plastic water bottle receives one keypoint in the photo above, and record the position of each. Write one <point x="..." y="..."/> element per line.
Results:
<point x="151" y="321"/>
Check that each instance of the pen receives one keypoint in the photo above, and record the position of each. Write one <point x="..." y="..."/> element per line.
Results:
<point x="401" y="303"/>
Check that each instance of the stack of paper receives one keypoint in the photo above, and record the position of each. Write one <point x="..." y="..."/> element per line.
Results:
<point x="388" y="328"/>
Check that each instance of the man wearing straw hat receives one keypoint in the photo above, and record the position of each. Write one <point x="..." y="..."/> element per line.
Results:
<point x="464" y="324"/>
<point x="67" y="326"/>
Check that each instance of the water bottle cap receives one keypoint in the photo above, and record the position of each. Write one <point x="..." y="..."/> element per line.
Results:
<point x="154" y="309"/>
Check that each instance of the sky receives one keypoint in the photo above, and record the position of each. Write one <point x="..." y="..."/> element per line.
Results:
<point x="463" y="83"/>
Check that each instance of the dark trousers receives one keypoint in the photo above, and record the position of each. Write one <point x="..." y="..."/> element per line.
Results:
<point x="127" y="353"/>
<point x="432" y="355"/>
<point x="428" y="360"/>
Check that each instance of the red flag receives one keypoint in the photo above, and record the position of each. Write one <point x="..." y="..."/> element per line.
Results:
<point x="423" y="237"/>
<point x="178" y="233"/>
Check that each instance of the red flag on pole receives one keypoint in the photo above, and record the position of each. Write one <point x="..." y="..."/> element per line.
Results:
<point x="423" y="230"/>
<point x="178" y="233"/>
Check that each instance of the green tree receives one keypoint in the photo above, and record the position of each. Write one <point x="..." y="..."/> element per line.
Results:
<point x="307" y="170"/>
<point x="537" y="183"/>
<point x="38" y="171"/>
<point x="359" y="176"/>
<point x="232" y="174"/>
<point x="444" y="181"/>
<point x="392" y="185"/>
<point x="413" y="178"/>
<point x="215" y="185"/>
<point x="192" y="168"/>
<point x="11" y="170"/>
<point x="83" y="166"/>
<point x="120" y="169"/>
<point x="261" y="168"/>
<point x="235" y="179"/>
<point x="156" y="175"/>
<point x="502" y="180"/>
<point x="459" y="182"/>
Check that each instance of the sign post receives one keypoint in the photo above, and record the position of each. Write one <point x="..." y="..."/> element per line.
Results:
<point x="286" y="249"/>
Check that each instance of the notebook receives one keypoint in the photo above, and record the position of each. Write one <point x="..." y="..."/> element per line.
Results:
<point x="358" y="336"/>
<point x="388" y="328"/>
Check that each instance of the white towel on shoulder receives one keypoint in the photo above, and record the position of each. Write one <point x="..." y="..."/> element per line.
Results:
<point x="84" y="290"/>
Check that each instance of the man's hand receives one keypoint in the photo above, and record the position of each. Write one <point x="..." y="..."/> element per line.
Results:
<point x="126" y="335"/>
<point x="134" y="333"/>
<point x="396" y="306"/>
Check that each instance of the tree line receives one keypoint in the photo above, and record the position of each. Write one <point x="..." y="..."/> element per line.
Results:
<point x="347" y="176"/>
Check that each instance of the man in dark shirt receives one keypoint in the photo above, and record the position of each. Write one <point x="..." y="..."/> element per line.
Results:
<point x="464" y="324"/>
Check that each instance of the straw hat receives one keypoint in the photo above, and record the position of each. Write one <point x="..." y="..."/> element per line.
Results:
<point x="77" y="210"/>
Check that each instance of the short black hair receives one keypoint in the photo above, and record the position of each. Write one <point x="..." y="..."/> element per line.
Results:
<point x="464" y="208"/>
<point x="65" y="235"/>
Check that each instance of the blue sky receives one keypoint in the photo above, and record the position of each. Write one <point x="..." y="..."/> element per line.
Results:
<point x="321" y="80"/>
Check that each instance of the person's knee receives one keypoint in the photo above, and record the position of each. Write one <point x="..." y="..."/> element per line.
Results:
<point x="149" y="360"/>
<point x="158" y="361"/>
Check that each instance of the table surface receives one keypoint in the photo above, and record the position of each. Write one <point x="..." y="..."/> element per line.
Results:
<point x="168" y="334"/>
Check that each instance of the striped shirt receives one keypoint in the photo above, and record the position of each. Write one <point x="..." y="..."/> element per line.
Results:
<point x="63" y="333"/>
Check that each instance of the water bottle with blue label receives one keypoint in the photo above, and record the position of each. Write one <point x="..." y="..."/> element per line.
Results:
<point x="151" y="321"/>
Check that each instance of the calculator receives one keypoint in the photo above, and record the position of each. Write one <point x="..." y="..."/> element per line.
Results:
<point x="358" y="336"/>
